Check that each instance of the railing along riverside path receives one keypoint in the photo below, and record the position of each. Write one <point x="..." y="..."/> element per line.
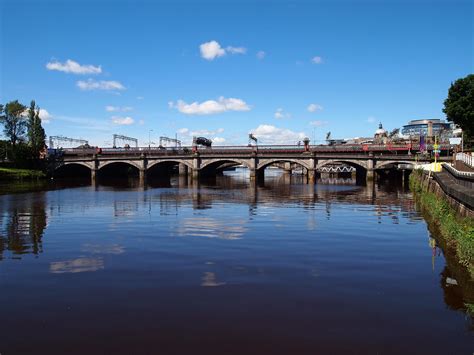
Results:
<point x="366" y="158"/>
<point x="465" y="158"/>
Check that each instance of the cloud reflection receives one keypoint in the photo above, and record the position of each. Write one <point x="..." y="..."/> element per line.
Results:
<point x="114" y="249"/>
<point x="209" y="280"/>
<point x="212" y="228"/>
<point x="76" y="265"/>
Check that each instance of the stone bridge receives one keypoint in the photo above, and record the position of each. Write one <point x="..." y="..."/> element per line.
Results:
<point x="210" y="161"/>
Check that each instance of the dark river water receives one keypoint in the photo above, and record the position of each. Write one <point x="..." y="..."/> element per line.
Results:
<point x="226" y="267"/>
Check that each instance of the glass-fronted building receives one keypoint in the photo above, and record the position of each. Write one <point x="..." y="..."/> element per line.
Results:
<point x="422" y="128"/>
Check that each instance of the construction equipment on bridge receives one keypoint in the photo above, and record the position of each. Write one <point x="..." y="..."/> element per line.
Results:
<point x="58" y="142"/>
<point x="252" y="138"/>
<point x="165" y="140"/>
<point x="120" y="138"/>
<point x="202" y="141"/>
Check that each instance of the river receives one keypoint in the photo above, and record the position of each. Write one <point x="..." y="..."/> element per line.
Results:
<point x="226" y="267"/>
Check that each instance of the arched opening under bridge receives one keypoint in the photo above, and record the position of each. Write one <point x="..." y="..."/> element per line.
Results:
<point x="394" y="171"/>
<point x="73" y="170"/>
<point x="218" y="166"/>
<point x="360" y="169"/>
<point x="119" y="170"/>
<point x="283" y="171"/>
<point x="166" y="174"/>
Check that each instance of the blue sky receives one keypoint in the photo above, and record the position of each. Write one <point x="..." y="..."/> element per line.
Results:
<point x="222" y="69"/>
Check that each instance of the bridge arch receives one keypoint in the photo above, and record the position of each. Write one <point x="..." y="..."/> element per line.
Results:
<point x="263" y="163"/>
<point x="155" y="163"/>
<point x="73" y="163"/>
<point x="132" y="163"/>
<point x="73" y="170"/>
<point x="354" y="163"/>
<point x="119" y="169"/>
<point x="383" y="164"/>
<point x="220" y="161"/>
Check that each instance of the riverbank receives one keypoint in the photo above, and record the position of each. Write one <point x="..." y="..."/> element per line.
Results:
<point x="21" y="174"/>
<point x="458" y="232"/>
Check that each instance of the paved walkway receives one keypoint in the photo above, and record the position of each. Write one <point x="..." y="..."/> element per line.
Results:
<point x="461" y="166"/>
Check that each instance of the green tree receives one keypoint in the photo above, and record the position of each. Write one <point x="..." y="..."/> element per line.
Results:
<point x="36" y="135"/>
<point x="14" y="122"/>
<point x="459" y="106"/>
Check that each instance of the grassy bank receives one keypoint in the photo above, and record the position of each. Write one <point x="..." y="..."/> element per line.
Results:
<point x="20" y="174"/>
<point x="458" y="232"/>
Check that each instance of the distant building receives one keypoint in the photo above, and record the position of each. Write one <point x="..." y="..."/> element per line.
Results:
<point x="336" y="141"/>
<point x="427" y="127"/>
<point x="380" y="135"/>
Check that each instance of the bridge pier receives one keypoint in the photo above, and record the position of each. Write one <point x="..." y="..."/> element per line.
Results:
<point x="93" y="175"/>
<point x="287" y="168"/>
<point x="370" y="175"/>
<point x="182" y="169"/>
<point x="370" y="169"/>
<point x="257" y="174"/>
<point x="142" y="176"/>
<point x="195" y="173"/>
<point x="311" y="176"/>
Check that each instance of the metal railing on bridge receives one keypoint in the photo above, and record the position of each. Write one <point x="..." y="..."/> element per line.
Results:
<point x="263" y="149"/>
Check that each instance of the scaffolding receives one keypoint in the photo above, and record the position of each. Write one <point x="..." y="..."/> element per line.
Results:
<point x="123" y="139"/>
<point x="165" y="140"/>
<point x="59" y="142"/>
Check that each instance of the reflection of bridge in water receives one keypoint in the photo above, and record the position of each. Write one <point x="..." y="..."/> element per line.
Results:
<point x="24" y="220"/>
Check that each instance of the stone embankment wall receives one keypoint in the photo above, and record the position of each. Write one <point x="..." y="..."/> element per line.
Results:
<point x="457" y="191"/>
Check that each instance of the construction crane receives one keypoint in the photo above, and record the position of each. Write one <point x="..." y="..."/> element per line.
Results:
<point x="58" y="141"/>
<point x="119" y="137"/>
<point x="166" y="140"/>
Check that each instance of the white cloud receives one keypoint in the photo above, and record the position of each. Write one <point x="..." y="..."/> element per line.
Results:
<point x="206" y="132"/>
<point x="261" y="54"/>
<point x="118" y="108"/>
<point x="218" y="140"/>
<point x="91" y="84"/>
<point x="318" y="123"/>
<point x="141" y="122"/>
<point x="45" y="115"/>
<point x="371" y="119"/>
<point x="212" y="50"/>
<point x="268" y="134"/>
<point x="183" y="130"/>
<point x="314" y="107"/>
<point x="70" y="66"/>
<point x="281" y="114"/>
<point x="122" y="121"/>
<point x="236" y="50"/>
<point x="210" y="107"/>
<point x="140" y="97"/>
<point x="316" y="60"/>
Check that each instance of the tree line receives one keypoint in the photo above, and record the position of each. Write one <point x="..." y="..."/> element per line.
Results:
<point x="25" y="135"/>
